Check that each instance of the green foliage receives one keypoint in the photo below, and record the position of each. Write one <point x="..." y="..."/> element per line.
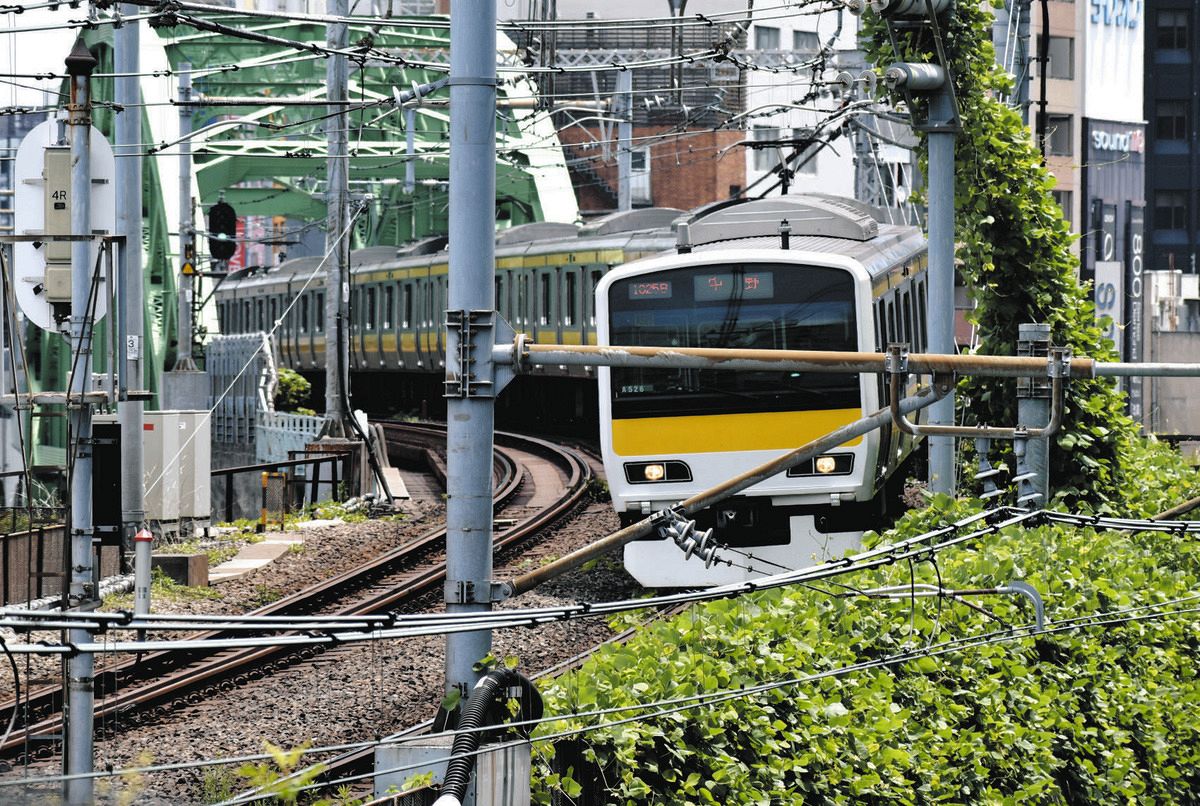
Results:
<point x="281" y="779"/>
<point x="292" y="392"/>
<point x="1106" y="714"/>
<point x="1014" y="252"/>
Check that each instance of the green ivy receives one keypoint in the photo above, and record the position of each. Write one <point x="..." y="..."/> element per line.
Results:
<point x="1014" y="253"/>
<point x="1100" y="715"/>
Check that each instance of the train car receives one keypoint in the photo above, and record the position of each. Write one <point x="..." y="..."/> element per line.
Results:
<point x="546" y="275"/>
<point x="798" y="273"/>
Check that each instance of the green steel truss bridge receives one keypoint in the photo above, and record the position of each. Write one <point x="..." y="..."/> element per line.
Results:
<point x="258" y="140"/>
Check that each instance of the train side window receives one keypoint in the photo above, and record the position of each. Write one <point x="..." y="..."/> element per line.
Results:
<point x="246" y="316"/>
<point x="590" y="302"/>
<point x="880" y="336"/>
<point x="369" y="313"/>
<point x="571" y="312"/>
<point x="892" y="335"/>
<point x="406" y="305"/>
<point x="274" y="312"/>
<point x="303" y="325"/>
<point x="319" y="313"/>
<point x="922" y="325"/>
<point x="389" y="306"/>
<point x="545" y="299"/>
<point x="906" y="310"/>
<point x="258" y="314"/>
<point x="523" y="299"/>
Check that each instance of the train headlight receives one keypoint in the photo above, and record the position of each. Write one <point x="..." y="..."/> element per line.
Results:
<point x="829" y="464"/>
<point x="826" y="464"/>
<point x="657" y="472"/>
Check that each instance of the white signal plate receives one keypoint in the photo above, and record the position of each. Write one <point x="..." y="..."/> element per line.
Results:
<point x="29" y="262"/>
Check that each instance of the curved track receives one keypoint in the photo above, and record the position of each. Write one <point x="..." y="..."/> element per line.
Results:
<point x="158" y="682"/>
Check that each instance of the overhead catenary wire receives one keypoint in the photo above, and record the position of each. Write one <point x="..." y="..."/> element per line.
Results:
<point x="664" y="707"/>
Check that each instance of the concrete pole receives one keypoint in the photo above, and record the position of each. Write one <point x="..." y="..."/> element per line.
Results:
<point x="77" y="757"/>
<point x="941" y="275"/>
<point x="187" y="235"/>
<point x="471" y="414"/>
<point x="129" y="223"/>
<point x="337" y="278"/>
<point x="624" y="102"/>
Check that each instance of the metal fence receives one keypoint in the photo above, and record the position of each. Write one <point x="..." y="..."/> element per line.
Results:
<point x="314" y="476"/>
<point x="32" y="564"/>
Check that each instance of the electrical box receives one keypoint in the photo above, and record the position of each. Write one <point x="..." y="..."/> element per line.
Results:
<point x="195" y="465"/>
<point x="160" y="445"/>
<point x="57" y="175"/>
<point x="106" y="480"/>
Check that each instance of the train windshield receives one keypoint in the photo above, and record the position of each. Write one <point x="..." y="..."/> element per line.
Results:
<point x="769" y="306"/>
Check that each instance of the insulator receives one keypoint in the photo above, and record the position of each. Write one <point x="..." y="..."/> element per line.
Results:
<point x="991" y="494"/>
<point x="914" y="77"/>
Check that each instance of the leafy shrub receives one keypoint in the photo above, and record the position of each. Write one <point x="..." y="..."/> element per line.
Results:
<point x="1098" y="715"/>
<point x="1014" y="253"/>
<point x="292" y="391"/>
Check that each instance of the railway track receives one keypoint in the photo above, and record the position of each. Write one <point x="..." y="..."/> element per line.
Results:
<point x="159" y="682"/>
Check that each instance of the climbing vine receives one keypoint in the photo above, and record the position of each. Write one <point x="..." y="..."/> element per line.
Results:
<point x="1014" y="254"/>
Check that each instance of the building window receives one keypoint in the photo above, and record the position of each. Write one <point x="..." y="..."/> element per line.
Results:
<point x="766" y="159"/>
<point x="638" y="161"/>
<point x="1171" y="29"/>
<point x="1171" y="120"/>
<point x="1063" y="199"/>
<point x="1171" y="209"/>
<point x="805" y="42"/>
<point x="1060" y="56"/>
<point x="1058" y="135"/>
<point x="766" y="37"/>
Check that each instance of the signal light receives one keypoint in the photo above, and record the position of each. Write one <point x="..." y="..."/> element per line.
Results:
<point x="222" y="228"/>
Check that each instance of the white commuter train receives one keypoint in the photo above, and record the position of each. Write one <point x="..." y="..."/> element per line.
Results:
<point x="797" y="273"/>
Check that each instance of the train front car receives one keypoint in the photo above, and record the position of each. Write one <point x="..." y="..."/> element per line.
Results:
<point x="750" y="281"/>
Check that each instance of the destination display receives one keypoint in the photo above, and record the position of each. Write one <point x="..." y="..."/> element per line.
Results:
<point x="718" y="287"/>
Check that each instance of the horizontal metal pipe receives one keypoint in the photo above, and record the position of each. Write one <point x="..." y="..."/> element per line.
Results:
<point x="706" y="498"/>
<point x="1000" y="366"/>
<point x="1148" y="370"/>
<point x="994" y="366"/>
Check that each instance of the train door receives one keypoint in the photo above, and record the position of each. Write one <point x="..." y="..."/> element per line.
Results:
<point x="407" y="340"/>
<point x="372" y="347"/>
<point x="300" y="324"/>
<point x="588" y="331"/>
<point x="546" y="329"/>
<point x="424" y="314"/>
<point x="570" y="318"/>
<point x="441" y="297"/>
<point x="389" y="352"/>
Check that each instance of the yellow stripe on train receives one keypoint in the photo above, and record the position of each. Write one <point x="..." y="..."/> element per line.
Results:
<point x="712" y="433"/>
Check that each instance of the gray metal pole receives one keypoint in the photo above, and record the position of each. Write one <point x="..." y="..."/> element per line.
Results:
<point x="471" y="414"/>
<point x="410" y="152"/>
<point x="337" y="282"/>
<point x="1033" y="410"/>
<point x="187" y="250"/>
<point x="625" y="140"/>
<point x="129" y="224"/>
<point x="77" y="757"/>
<point x="941" y="275"/>
<point x="1024" y="9"/>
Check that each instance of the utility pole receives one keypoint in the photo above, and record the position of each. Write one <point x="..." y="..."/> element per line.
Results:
<point x="624" y="103"/>
<point x="129" y="224"/>
<point x="1024" y="10"/>
<point x="77" y="756"/>
<point x="337" y="247"/>
<point x="942" y="119"/>
<point x="187" y="239"/>
<point x="471" y="324"/>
